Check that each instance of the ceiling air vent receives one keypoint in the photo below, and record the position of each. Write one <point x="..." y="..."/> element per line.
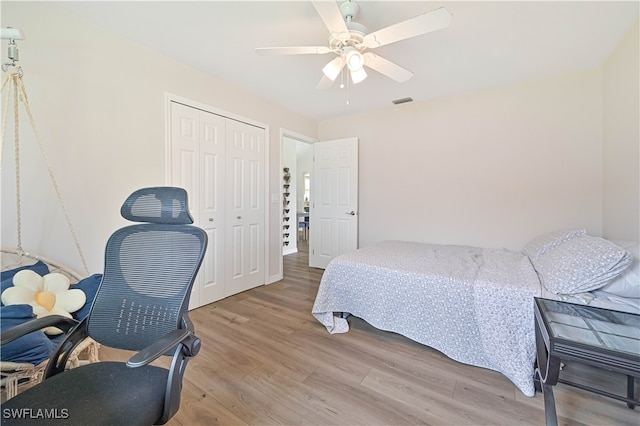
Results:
<point x="402" y="101"/>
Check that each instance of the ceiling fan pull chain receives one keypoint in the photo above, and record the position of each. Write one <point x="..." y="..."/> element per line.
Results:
<point x="348" y="89"/>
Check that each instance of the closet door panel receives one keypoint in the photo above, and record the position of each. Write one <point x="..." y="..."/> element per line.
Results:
<point x="212" y="212"/>
<point x="185" y="151"/>
<point x="254" y="250"/>
<point x="197" y="164"/>
<point x="237" y="260"/>
<point x="185" y="167"/>
<point x="246" y="207"/>
<point x="237" y="184"/>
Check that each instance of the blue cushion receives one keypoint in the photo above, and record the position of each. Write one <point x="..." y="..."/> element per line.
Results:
<point x="40" y="267"/>
<point x="90" y="287"/>
<point x="37" y="347"/>
<point x="34" y="347"/>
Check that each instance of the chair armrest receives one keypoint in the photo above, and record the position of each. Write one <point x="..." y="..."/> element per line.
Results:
<point x="159" y="347"/>
<point x="63" y="323"/>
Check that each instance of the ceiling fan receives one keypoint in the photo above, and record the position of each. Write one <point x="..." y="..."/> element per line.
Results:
<point x="350" y="41"/>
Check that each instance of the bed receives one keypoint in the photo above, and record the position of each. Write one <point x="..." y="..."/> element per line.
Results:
<point x="473" y="304"/>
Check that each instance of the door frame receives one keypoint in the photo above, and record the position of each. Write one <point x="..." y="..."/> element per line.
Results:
<point x="301" y="138"/>
<point x="171" y="97"/>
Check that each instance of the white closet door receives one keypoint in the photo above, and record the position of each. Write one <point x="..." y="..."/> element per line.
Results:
<point x="245" y="207"/>
<point x="198" y="165"/>
<point x="212" y="198"/>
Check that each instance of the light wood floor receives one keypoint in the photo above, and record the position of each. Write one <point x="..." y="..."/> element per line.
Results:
<point x="266" y="361"/>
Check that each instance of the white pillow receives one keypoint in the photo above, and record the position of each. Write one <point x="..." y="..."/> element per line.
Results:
<point x="581" y="264"/>
<point x="545" y="242"/>
<point x="628" y="283"/>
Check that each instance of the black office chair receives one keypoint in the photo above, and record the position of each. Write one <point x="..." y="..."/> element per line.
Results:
<point x="141" y="305"/>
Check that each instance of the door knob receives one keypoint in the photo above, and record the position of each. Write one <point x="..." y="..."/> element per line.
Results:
<point x="351" y="213"/>
<point x="210" y="219"/>
<point x="239" y="217"/>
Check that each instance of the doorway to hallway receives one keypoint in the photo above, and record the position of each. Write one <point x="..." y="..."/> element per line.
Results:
<point x="297" y="160"/>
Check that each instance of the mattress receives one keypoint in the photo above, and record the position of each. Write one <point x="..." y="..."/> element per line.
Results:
<point x="598" y="299"/>
<point x="473" y="304"/>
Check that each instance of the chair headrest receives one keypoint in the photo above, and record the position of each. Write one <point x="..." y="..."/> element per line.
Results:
<point x="161" y="204"/>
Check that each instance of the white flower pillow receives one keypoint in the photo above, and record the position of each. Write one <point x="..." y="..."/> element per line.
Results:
<point x="545" y="242"/>
<point x="628" y="283"/>
<point x="48" y="295"/>
<point x="581" y="264"/>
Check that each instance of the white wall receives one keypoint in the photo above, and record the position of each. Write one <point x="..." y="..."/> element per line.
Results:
<point x="621" y="150"/>
<point x="99" y="103"/>
<point x="491" y="168"/>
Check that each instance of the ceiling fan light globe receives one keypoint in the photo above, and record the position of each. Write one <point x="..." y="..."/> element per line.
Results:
<point x="354" y="60"/>
<point x="358" y="75"/>
<point x="333" y="68"/>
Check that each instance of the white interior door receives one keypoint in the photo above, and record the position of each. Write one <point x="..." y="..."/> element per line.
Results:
<point x="212" y="217"/>
<point x="245" y="207"/>
<point x="197" y="165"/>
<point x="333" y="219"/>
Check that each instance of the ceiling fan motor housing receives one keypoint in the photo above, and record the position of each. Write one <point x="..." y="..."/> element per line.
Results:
<point x="349" y="10"/>
<point x="355" y="39"/>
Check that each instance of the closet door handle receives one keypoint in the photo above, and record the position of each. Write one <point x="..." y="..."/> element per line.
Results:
<point x="238" y="217"/>
<point x="351" y="213"/>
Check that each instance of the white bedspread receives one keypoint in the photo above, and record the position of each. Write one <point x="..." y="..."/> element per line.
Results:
<point x="473" y="304"/>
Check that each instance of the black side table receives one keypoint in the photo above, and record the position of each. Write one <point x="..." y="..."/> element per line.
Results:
<point x="599" y="337"/>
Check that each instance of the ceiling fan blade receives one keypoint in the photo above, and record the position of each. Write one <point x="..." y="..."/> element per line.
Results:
<point x="386" y="67"/>
<point x="421" y="24"/>
<point x="295" y="50"/>
<point x="332" y="18"/>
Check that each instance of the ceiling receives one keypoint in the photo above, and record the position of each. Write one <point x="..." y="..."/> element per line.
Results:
<point x="488" y="44"/>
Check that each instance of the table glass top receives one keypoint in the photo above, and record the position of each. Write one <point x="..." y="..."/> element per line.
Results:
<point x="603" y="328"/>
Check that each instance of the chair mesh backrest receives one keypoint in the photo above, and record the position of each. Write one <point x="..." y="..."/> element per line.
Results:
<point x="149" y="272"/>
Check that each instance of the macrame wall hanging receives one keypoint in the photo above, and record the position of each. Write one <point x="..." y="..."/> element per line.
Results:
<point x="14" y="94"/>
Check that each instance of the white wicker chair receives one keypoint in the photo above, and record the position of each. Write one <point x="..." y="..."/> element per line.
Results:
<point x="15" y="376"/>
